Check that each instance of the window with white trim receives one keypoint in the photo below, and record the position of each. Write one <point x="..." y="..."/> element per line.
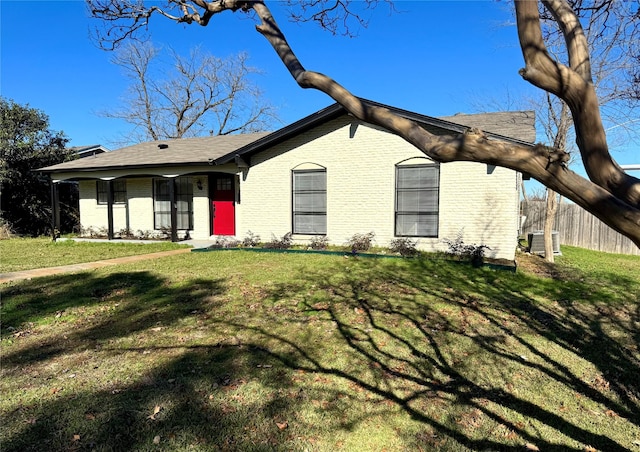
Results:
<point x="417" y="200"/>
<point x="119" y="191"/>
<point x="310" y="201"/>
<point x="162" y="203"/>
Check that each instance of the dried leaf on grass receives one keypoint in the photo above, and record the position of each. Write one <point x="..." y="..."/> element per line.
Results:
<point x="282" y="425"/>
<point x="156" y="410"/>
<point x="600" y="383"/>
<point x="530" y="446"/>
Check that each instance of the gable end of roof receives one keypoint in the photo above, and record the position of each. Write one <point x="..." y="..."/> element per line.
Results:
<point x="518" y="135"/>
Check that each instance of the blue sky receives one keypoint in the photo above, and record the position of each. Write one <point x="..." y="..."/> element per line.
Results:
<point x="433" y="57"/>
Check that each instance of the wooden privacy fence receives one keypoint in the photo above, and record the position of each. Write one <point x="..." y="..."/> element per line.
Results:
<point x="577" y="227"/>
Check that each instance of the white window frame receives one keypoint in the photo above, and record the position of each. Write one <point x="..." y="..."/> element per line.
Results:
<point x="119" y="187"/>
<point x="318" y="210"/>
<point x="421" y="192"/>
<point x="184" y="202"/>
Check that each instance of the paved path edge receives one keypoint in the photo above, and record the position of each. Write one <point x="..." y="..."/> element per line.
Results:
<point x="49" y="271"/>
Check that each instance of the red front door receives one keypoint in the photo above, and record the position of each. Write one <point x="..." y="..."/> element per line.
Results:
<point x="223" y="204"/>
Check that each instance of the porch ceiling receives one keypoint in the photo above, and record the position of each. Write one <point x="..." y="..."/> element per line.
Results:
<point x="151" y="171"/>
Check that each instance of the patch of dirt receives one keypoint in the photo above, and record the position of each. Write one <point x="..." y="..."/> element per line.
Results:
<point x="501" y="262"/>
<point x="536" y="265"/>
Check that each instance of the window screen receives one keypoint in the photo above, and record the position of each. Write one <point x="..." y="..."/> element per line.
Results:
<point x="119" y="191"/>
<point x="310" y="202"/>
<point x="162" y="204"/>
<point x="417" y="200"/>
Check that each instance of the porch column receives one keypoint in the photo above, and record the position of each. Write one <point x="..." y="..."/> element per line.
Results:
<point x="55" y="211"/>
<point x="174" y="210"/>
<point x="109" y="210"/>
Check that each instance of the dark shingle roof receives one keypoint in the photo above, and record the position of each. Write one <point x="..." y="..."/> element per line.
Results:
<point x="183" y="151"/>
<point x="512" y="124"/>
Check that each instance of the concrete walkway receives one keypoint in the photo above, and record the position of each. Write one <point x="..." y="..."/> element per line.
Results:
<point x="36" y="273"/>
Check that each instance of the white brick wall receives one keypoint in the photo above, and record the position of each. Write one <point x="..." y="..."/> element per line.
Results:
<point x="94" y="215"/>
<point x="140" y="208"/>
<point x="140" y="195"/>
<point x="201" y="225"/>
<point x="360" y="161"/>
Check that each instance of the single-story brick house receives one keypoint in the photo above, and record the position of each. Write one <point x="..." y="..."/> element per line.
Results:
<point x="326" y="174"/>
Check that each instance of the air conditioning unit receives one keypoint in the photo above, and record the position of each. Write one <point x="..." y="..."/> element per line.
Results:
<point x="536" y="243"/>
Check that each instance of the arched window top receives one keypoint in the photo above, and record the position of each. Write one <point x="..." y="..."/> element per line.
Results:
<point x="309" y="166"/>
<point x="309" y="185"/>
<point x="417" y="198"/>
<point x="417" y="161"/>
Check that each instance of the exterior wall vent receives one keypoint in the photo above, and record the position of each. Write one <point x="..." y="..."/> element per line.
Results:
<point x="536" y="243"/>
<point x="163" y="146"/>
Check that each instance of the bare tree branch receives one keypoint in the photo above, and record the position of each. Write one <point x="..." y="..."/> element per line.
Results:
<point x="202" y="95"/>
<point x="335" y="16"/>
<point x="579" y="94"/>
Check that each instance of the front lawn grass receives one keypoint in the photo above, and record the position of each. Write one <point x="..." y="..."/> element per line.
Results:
<point x="28" y="253"/>
<point x="253" y="351"/>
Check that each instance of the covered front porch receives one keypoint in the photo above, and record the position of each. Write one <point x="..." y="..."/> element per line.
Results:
<point x="180" y="188"/>
<point x="183" y="206"/>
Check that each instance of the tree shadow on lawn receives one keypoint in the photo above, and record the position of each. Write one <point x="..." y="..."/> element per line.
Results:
<point x="210" y="397"/>
<point x="55" y="299"/>
<point x="470" y="339"/>
<point x="195" y="402"/>
<point x="391" y="336"/>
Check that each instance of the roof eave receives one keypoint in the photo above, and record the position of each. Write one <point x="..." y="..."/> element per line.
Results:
<point x="283" y="134"/>
<point x="123" y="167"/>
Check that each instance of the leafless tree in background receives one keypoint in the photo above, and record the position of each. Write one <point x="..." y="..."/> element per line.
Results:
<point x="609" y="193"/>
<point x="188" y="96"/>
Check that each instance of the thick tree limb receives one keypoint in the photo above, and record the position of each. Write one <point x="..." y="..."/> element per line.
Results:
<point x="575" y="39"/>
<point x="611" y="195"/>
<point x="575" y="87"/>
<point x="472" y="146"/>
